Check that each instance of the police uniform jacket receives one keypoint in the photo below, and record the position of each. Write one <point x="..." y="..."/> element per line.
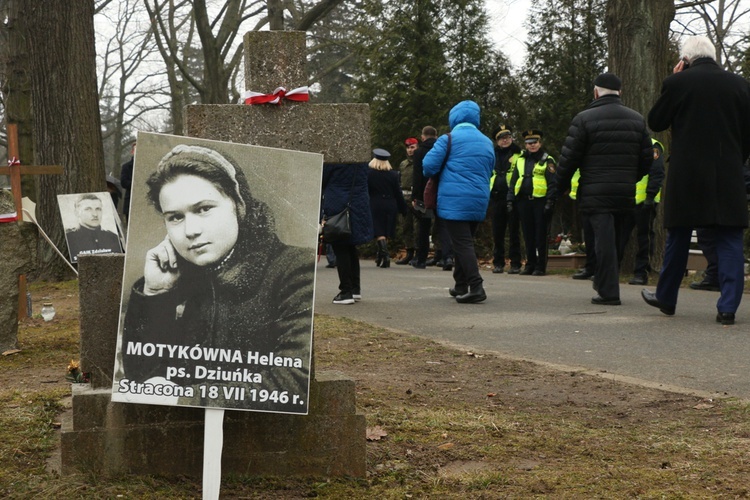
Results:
<point x="610" y="144"/>
<point x="708" y="110"/>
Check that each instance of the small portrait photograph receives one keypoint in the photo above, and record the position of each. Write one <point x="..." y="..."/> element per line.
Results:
<point x="217" y="299"/>
<point x="91" y="224"/>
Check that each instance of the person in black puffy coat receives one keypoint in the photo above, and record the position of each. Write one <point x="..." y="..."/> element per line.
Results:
<point x="611" y="146"/>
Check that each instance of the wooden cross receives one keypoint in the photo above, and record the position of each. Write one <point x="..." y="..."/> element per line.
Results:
<point x="15" y="170"/>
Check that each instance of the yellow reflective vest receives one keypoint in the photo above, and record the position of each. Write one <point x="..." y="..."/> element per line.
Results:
<point x="642" y="185"/>
<point x="538" y="179"/>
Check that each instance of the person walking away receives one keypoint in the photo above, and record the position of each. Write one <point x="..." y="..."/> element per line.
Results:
<point x="611" y="146"/>
<point x="386" y="200"/>
<point x="343" y="184"/>
<point x="534" y="193"/>
<point x="409" y="222"/>
<point x="647" y="197"/>
<point x="504" y="220"/>
<point x="708" y="110"/>
<point x="464" y="160"/>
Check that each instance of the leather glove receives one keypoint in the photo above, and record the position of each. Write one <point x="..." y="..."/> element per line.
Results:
<point x="509" y="206"/>
<point x="549" y="207"/>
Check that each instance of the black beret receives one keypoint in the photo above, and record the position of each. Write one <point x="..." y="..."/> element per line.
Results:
<point x="608" y="81"/>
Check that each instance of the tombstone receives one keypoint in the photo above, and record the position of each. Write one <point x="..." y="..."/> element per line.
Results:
<point x="109" y="438"/>
<point x="17" y="255"/>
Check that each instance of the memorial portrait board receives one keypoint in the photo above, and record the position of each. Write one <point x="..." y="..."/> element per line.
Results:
<point x="217" y="299"/>
<point x="91" y="224"/>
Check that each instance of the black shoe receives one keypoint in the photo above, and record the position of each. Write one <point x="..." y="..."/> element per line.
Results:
<point x="419" y="265"/>
<point x="430" y="262"/>
<point x="705" y="285"/>
<point x="343" y="298"/>
<point x="539" y="272"/>
<point x="638" y="280"/>
<point x="499" y="270"/>
<point x="601" y="301"/>
<point x="448" y="264"/>
<point x="407" y="258"/>
<point x="582" y="274"/>
<point x="527" y="271"/>
<point x="330" y="266"/>
<point x="650" y="298"/>
<point x="515" y="270"/>
<point x="475" y="295"/>
<point x="357" y="295"/>
<point x="455" y="292"/>
<point x="725" y="318"/>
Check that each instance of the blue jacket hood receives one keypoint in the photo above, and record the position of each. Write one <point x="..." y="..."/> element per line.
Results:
<point x="464" y="112"/>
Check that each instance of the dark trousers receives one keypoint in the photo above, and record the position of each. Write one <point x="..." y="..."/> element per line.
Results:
<point x="503" y="222"/>
<point x="590" y="242"/>
<point x="347" y="265"/>
<point x="465" y="265"/>
<point x="423" y="238"/>
<point x="441" y="232"/>
<point x="607" y="228"/>
<point x="535" y="228"/>
<point x="707" y="244"/>
<point x="729" y="256"/>
<point x="642" y="219"/>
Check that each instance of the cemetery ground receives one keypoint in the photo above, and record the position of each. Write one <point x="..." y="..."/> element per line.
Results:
<point x="442" y="423"/>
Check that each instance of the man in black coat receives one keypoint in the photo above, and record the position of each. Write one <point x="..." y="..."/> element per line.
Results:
<point x="610" y="145"/>
<point x="429" y="137"/>
<point x="708" y="110"/>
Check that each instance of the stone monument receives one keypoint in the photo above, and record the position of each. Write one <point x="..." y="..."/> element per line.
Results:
<point x="111" y="438"/>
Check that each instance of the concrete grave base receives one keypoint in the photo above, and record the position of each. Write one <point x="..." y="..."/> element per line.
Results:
<point x="107" y="438"/>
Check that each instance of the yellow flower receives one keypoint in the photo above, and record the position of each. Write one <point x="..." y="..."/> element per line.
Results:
<point x="73" y="366"/>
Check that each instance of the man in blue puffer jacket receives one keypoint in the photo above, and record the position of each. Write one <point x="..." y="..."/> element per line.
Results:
<point x="464" y="160"/>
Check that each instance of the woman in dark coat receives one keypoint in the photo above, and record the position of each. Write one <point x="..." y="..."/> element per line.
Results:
<point x="221" y="280"/>
<point x="386" y="201"/>
<point x="346" y="184"/>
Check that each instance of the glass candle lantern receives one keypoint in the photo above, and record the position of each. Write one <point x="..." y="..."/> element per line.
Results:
<point x="48" y="311"/>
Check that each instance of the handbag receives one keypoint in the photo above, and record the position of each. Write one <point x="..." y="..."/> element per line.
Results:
<point x="431" y="188"/>
<point x="338" y="227"/>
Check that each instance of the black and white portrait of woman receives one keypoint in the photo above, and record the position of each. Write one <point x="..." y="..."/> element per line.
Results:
<point x="217" y="306"/>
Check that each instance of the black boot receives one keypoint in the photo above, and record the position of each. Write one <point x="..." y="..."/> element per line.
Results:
<point x="437" y="257"/>
<point x="407" y="258"/>
<point x="378" y="253"/>
<point x="386" y="258"/>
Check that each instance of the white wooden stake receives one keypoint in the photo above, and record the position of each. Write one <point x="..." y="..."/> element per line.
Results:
<point x="213" y="442"/>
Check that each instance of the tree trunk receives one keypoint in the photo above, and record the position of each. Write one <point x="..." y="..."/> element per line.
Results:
<point x="67" y="129"/>
<point x="17" y="87"/>
<point x="639" y="53"/>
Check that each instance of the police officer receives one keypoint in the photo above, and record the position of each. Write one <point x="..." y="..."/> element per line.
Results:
<point x="534" y="191"/>
<point x="647" y="197"/>
<point x="506" y="154"/>
<point x="588" y="269"/>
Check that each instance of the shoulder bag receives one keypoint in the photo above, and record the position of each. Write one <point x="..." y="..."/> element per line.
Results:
<point x="431" y="188"/>
<point x="338" y="228"/>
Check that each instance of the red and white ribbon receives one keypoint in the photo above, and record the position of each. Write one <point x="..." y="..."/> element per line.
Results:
<point x="13" y="161"/>
<point x="9" y="217"/>
<point x="300" y="94"/>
